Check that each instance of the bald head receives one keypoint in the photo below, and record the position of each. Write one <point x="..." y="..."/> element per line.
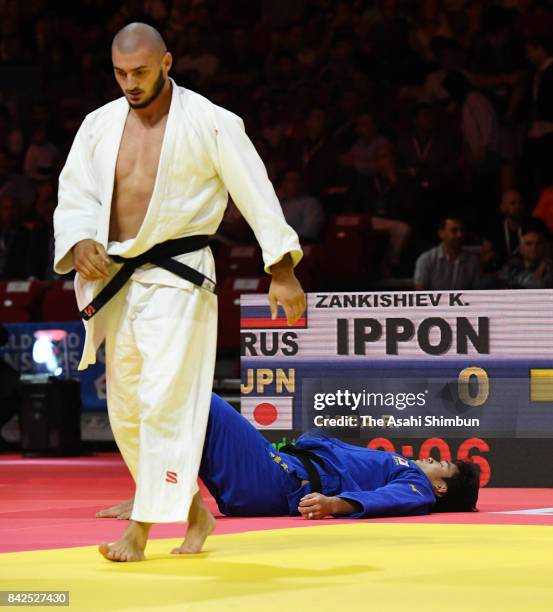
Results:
<point x="141" y="64"/>
<point x="137" y="37"/>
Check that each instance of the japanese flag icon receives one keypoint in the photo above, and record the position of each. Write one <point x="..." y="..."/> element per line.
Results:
<point x="268" y="412"/>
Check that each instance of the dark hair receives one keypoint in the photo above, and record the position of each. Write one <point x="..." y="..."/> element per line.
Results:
<point x="462" y="489"/>
<point x="452" y="216"/>
<point x="283" y="173"/>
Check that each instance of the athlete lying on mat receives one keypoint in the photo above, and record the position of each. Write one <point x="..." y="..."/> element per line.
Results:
<point x="247" y="477"/>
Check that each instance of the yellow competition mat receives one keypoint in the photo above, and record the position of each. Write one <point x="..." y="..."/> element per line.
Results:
<point x="399" y="567"/>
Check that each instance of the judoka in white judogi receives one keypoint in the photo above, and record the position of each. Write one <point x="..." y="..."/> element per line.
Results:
<point x="160" y="330"/>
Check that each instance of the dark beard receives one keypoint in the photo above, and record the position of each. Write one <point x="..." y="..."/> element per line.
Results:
<point x="158" y="86"/>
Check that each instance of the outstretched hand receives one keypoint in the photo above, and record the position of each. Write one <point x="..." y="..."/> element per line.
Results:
<point x="316" y="506"/>
<point x="286" y="290"/>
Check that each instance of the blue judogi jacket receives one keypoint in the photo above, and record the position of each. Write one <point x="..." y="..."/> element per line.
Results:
<point x="382" y="483"/>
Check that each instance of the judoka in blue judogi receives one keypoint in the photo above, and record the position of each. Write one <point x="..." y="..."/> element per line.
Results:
<point x="248" y="477"/>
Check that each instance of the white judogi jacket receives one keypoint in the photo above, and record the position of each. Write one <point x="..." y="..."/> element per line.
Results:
<point x="205" y="152"/>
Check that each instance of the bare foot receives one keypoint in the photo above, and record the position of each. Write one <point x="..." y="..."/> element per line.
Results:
<point x="121" y="511"/>
<point x="200" y="524"/>
<point x="130" y="546"/>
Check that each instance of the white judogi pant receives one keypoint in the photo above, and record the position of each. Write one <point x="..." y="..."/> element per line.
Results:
<point x="160" y="358"/>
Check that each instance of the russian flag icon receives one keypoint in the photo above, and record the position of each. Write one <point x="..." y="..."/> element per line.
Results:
<point x="259" y="317"/>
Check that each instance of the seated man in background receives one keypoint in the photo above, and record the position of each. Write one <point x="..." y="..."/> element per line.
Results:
<point x="531" y="269"/>
<point x="318" y="477"/>
<point x="449" y="265"/>
<point x="502" y="238"/>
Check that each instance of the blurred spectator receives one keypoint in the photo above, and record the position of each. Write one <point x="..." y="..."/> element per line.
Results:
<point x="342" y="62"/>
<point x="342" y="17"/>
<point x="273" y="130"/>
<point x="348" y="106"/>
<point x="479" y="125"/>
<point x="59" y="69"/>
<point x="449" y="56"/>
<point x="195" y="57"/>
<point x="392" y="194"/>
<point x="297" y="44"/>
<point x="449" y="265"/>
<point x="431" y="22"/>
<point x="14" y="185"/>
<point x="540" y="134"/>
<point x="531" y="269"/>
<point x="534" y="18"/>
<point x="282" y="74"/>
<point x="302" y="211"/>
<point x="344" y="189"/>
<point x="39" y="115"/>
<point x="389" y="37"/>
<point x="239" y="66"/>
<point x="471" y="18"/>
<point x="41" y="239"/>
<point x="424" y="151"/>
<point x="45" y="33"/>
<point x="156" y="10"/>
<point x="315" y="153"/>
<point x="41" y="158"/>
<point x="480" y="133"/>
<point x="14" y="241"/>
<point x="391" y="204"/>
<point x="430" y="157"/>
<point x="12" y="50"/>
<point x="503" y="236"/>
<point x="499" y="66"/>
<point x="11" y="133"/>
<point x="368" y="139"/>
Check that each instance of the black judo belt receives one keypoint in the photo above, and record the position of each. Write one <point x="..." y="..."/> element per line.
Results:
<point x="160" y="255"/>
<point x="308" y="459"/>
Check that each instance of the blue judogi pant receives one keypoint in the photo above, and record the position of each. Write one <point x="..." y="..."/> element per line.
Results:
<point x="239" y="468"/>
